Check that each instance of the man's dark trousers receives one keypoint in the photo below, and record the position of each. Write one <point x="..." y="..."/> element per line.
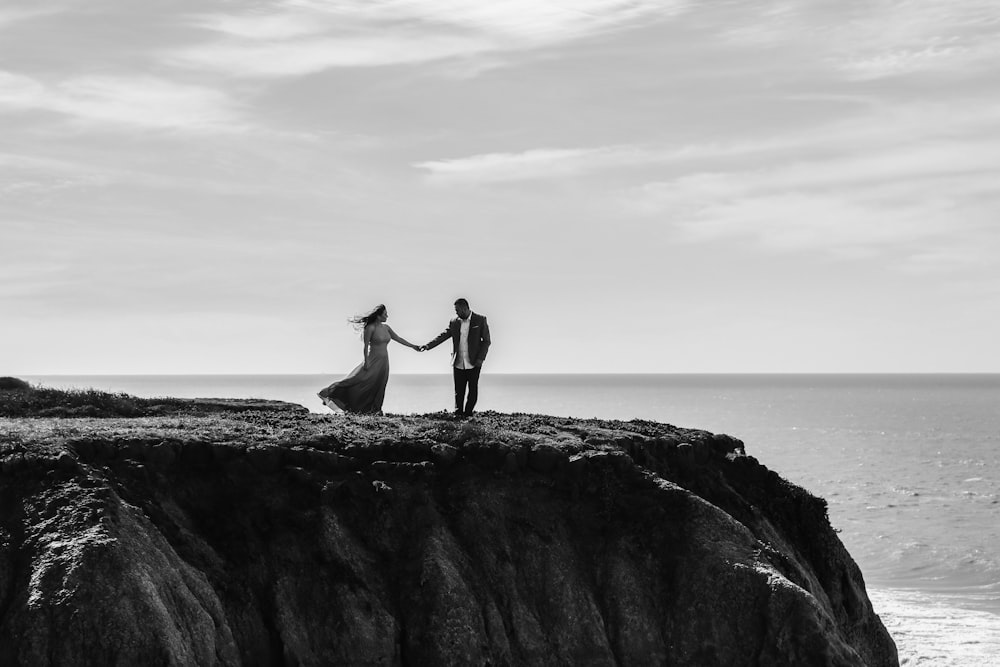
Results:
<point x="466" y="377"/>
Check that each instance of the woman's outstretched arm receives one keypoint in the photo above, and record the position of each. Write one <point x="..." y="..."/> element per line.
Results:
<point x="399" y="339"/>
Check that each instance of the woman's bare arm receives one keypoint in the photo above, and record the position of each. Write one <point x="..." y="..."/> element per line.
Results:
<point x="400" y="339"/>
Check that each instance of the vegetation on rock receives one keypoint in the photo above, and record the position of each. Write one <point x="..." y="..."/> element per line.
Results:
<point x="20" y="399"/>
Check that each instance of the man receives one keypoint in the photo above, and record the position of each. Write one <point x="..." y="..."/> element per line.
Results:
<point x="470" y="339"/>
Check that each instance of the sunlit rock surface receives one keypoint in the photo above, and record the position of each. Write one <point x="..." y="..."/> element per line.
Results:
<point x="271" y="537"/>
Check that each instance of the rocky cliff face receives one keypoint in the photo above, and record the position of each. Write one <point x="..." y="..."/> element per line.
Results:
<point x="270" y="538"/>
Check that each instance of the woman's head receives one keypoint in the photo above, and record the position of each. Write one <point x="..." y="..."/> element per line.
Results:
<point x="378" y="314"/>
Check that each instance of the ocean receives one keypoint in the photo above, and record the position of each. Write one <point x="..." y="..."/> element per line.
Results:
<point x="910" y="466"/>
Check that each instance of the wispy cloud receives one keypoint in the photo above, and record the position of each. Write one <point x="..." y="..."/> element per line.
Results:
<point x="951" y="256"/>
<point x="521" y="20"/>
<point x="307" y="36"/>
<point x="904" y="200"/>
<point x="915" y="34"/>
<point x="311" y="55"/>
<point x="12" y="15"/>
<point x="136" y="101"/>
<point x="796" y="221"/>
<point x="878" y="39"/>
<point x="29" y="175"/>
<point x="885" y="63"/>
<point x="281" y="23"/>
<point x="542" y="163"/>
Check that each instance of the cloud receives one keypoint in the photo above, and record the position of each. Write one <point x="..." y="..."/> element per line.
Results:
<point x="307" y="36"/>
<point x="950" y="257"/>
<point x="888" y="200"/>
<point x="954" y="54"/>
<point x="877" y="39"/>
<point x="911" y="36"/>
<point x="899" y="61"/>
<point x="542" y="163"/>
<point x="554" y="163"/>
<point x="10" y="16"/>
<point x="308" y="56"/>
<point x="796" y="221"/>
<point x="275" y="26"/>
<point x="911" y="182"/>
<point x="24" y="175"/>
<point x="139" y="101"/>
<point x="519" y="20"/>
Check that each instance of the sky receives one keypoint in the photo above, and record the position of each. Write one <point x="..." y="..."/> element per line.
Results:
<point x="620" y="186"/>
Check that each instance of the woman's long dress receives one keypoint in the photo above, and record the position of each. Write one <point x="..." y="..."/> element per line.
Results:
<point x="363" y="390"/>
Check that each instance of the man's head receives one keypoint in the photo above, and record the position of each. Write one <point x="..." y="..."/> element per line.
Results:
<point x="462" y="308"/>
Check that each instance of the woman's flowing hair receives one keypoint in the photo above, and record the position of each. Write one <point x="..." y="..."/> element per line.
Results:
<point x="361" y="321"/>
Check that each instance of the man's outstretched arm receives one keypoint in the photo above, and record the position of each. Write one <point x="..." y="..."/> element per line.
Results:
<point x="440" y="338"/>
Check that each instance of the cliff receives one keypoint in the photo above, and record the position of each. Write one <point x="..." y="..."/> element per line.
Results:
<point x="275" y="537"/>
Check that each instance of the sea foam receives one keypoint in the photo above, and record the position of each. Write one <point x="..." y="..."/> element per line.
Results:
<point x="928" y="632"/>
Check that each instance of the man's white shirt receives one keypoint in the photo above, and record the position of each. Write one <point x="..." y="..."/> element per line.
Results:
<point x="462" y="360"/>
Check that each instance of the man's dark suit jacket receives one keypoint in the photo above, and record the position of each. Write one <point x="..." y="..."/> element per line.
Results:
<point x="479" y="338"/>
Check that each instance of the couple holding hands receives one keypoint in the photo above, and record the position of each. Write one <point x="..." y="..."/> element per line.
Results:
<point x="363" y="390"/>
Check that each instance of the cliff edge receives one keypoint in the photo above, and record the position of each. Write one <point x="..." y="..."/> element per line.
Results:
<point x="274" y="537"/>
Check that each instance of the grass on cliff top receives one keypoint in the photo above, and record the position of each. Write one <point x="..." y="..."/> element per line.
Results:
<point x="21" y="399"/>
<point x="47" y="418"/>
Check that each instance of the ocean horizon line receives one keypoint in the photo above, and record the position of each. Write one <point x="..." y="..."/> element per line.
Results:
<point x="560" y="373"/>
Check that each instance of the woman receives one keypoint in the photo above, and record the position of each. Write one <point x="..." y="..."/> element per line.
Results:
<point x="363" y="390"/>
